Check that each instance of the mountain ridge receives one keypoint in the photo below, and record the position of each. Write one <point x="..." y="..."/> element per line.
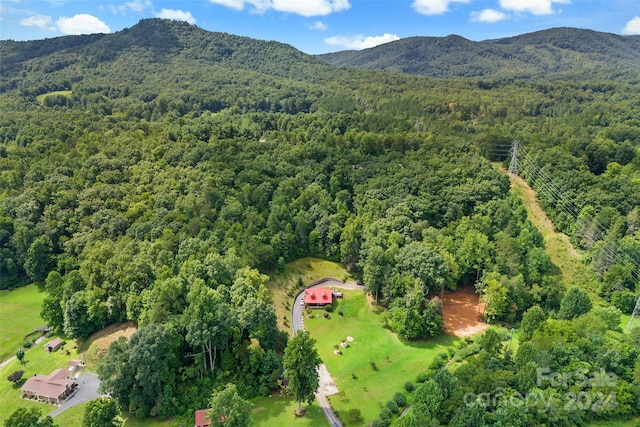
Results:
<point x="555" y="50"/>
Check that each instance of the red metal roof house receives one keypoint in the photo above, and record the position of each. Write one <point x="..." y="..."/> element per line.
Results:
<point x="201" y="418"/>
<point x="318" y="297"/>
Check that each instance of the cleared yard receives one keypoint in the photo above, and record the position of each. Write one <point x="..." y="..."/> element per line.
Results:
<point x="376" y="364"/>
<point x="19" y="316"/>
<point x="278" y="411"/>
<point x="284" y="285"/>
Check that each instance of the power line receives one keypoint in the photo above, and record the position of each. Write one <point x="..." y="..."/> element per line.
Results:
<point x="557" y="197"/>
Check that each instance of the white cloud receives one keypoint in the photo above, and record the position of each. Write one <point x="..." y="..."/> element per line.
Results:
<point x="318" y="25"/>
<point x="305" y="8"/>
<point x="176" y="15"/>
<point x="434" y="7"/>
<point x="488" y="15"/>
<point x="82" y="24"/>
<point x="359" y="41"/>
<point x="135" y="6"/>
<point x="535" y="7"/>
<point x="632" y="27"/>
<point x="41" y="21"/>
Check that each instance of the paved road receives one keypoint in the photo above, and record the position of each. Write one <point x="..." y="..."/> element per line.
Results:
<point x="88" y="384"/>
<point x="326" y="386"/>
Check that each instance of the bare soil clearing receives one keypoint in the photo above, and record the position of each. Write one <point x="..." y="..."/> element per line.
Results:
<point x="461" y="311"/>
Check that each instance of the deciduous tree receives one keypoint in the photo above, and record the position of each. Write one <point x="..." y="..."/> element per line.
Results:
<point x="300" y="363"/>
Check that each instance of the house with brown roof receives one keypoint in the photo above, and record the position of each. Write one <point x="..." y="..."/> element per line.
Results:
<point x="201" y="418"/>
<point x="318" y="297"/>
<point x="53" y="388"/>
<point x="54" y="344"/>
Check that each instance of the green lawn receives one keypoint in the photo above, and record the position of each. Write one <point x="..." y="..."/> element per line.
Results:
<point x="278" y="411"/>
<point x="19" y="316"/>
<point x="284" y="285"/>
<point x="37" y="362"/>
<point x="396" y="362"/>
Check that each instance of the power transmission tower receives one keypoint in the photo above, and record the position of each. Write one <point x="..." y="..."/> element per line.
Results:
<point x="513" y="165"/>
<point x="636" y="312"/>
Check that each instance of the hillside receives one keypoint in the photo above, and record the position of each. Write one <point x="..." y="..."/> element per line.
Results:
<point x="161" y="174"/>
<point x="558" y="50"/>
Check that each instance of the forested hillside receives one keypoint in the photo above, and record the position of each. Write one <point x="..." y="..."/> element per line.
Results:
<point x="158" y="174"/>
<point x="568" y="51"/>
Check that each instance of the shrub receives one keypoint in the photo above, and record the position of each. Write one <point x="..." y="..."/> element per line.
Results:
<point x="328" y="308"/>
<point x="355" y="415"/>
<point x="326" y="316"/>
<point x="15" y="376"/>
<point x="409" y="386"/>
<point x="400" y="399"/>
<point x="422" y="377"/>
<point x="436" y="364"/>
<point x="379" y="423"/>
<point x="26" y="344"/>
<point x="385" y="415"/>
<point x="393" y="406"/>
<point x="373" y="365"/>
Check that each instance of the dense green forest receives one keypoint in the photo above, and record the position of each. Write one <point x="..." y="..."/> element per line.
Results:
<point x="159" y="174"/>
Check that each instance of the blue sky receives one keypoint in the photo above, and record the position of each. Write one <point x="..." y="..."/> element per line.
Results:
<point x="319" y="26"/>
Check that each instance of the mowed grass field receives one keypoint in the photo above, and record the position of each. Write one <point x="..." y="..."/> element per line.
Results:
<point x="19" y="316"/>
<point x="278" y="411"/>
<point x="396" y="362"/>
<point x="284" y="285"/>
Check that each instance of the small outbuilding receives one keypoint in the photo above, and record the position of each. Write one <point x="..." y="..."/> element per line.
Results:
<point x="318" y="297"/>
<point x="53" y="345"/>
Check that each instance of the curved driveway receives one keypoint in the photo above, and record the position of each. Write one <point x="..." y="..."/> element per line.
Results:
<point x="326" y="387"/>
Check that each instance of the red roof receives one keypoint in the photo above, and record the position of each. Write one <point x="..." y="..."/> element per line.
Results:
<point x="318" y="296"/>
<point x="201" y="414"/>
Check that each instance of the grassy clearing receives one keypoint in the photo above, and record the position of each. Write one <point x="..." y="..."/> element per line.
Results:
<point x="284" y="285"/>
<point x="19" y="316"/>
<point x="278" y="411"/>
<point x="40" y="98"/>
<point x="71" y="417"/>
<point x="562" y="253"/>
<point x="37" y="361"/>
<point x="365" y="387"/>
<point x="97" y="344"/>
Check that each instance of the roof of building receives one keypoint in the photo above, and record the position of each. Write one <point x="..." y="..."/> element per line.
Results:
<point x="200" y="418"/>
<point x="318" y="296"/>
<point x="52" y="385"/>
<point x="56" y="342"/>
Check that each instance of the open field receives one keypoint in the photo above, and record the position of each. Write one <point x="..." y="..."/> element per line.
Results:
<point x="19" y="316"/>
<point x="40" y="98"/>
<point x="284" y="285"/>
<point x="368" y="386"/>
